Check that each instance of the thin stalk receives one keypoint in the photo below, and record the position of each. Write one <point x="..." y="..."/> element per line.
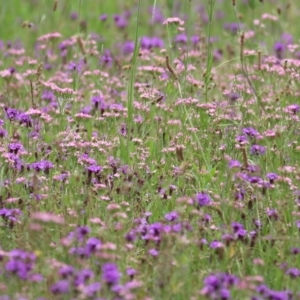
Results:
<point x="132" y="78"/>
<point x="210" y="9"/>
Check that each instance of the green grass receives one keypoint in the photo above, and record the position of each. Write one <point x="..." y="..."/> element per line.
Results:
<point x="205" y="130"/>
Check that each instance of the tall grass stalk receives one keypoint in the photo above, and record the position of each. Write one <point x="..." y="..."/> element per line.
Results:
<point x="210" y="9"/>
<point x="130" y="94"/>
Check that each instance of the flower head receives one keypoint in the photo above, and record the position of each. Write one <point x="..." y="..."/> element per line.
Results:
<point x="203" y="199"/>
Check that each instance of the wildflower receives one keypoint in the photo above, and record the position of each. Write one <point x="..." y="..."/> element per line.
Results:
<point x="195" y="39"/>
<point x="103" y="17"/>
<point x="203" y="199"/>
<point x="257" y="150"/>
<point x="293" y="272"/>
<point x="43" y="165"/>
<point x="91" y="289"/>
<point x="74" y="16"/>
<point x="92" y="244"/>
<point x="251" y="132"/>
<point x="94" y="169"/>
<point x="272" y="213"/>
<point x="181" y="38"/>
<point x="175" y="20"/>
<point x="234" y="164"/>
<point x="11" y="113"/>
<point x="82" y="276"/>
<point x="233" y="28"/>
<point x="120" y="21"/>
<point x="279" y="49"/>
<point x="272" y="177"/>
<point x="153" y="252"/>
<point x="131" y="272"/>
<point x="3" y="132"/>
<point x="106" y="59"/>
<point x="60" y="287"/>
<point x="293" y="109"/>
<point x="15" y="147"/>
<point x="66" y="271"/>
<point x="172" y="216"/>
<point x="233" y="96"/>
<point x="110" y="273"/>
<point x="128" y="47"/>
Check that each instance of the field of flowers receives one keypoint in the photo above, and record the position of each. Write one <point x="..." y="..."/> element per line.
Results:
<point x="149" y="150"/>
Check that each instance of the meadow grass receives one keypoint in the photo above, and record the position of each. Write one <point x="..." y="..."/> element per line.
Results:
<point x="149" y="150"/>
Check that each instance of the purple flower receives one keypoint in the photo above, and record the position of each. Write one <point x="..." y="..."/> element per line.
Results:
<point x="176" y="227"/>
<point x="146" y="43"/>
<point x="82" y="231"/>
<point x="21" y="263"/>
<point x="10" y="214"/>
<point x="216" y="245"/>
<point x="253" y="168"/>
<point x="94" y="169"/>
<point x="295" y="251"/>
<point x="203" y="199"/>
<point x="171" y="216"/>
<point x="212" y="282"/>
<point x="24" y="118"/>
<point x="236" y="226"/>
<point x="130" y="236"/>
<point x="157" y="42"/>
<point x="272" y="177"/>
<point x="66" y="271"/>
<point x="234" y="164"/>
<point x="254" y="179"/>
<point x="91" y="289"/>
<point x="272" y="213"/>
<point x="257" y="150"/>
<point x="60" y="287"/>
<point x="279" y="49"/>
<point x="232" y="27"/>
<point x="120" y="21"/>
<point x="44" y="165"/>
<point x="92" y="244"/>
<point x="110" y="273"/>
<point x="181" y="38"/>
<point x="153" y="252"/>
<point x="225" y="294"/>
<point x="293" y="108"/>
<point x="241" y="139"/>
<point x="251" y="132"/>
<point x="233" y="96"/>
<point x="3" y="132"/>
<point x="195" y="39"/>
<point x="11" y="113"/>
<point x="293" y="272"/>
<point x="131" y="272"/>
<point x="123" y="129"/>
<point x="227" y="238"/>
<point x="15" y="147"/>
<point x="74" y="16"/>
<point x="128" y="47"/>
<point x="263" y="290"/>
<point x="96" y="100"/>
<point x="83" y="276"/>
<point x="103" y="17"/>
<point x="106" y="58"/>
